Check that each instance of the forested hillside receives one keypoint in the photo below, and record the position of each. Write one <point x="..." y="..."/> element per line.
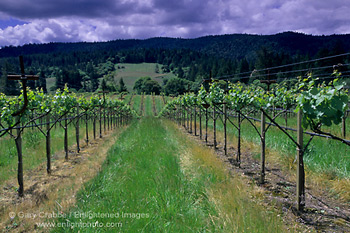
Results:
<point x="234" y="46"/>
<point x="82" y="65"/>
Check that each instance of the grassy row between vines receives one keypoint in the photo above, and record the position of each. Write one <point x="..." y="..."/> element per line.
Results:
<point x="135" y="103"/>
<point x="148" y="105"/>
<point x="155" y="179"/>
<point x="326" y="160"/>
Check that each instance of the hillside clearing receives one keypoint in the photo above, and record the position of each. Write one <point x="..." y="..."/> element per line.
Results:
<point x="132" y="72"/>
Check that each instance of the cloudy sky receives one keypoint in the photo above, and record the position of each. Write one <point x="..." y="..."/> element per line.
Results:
<point x="41" y="21"/>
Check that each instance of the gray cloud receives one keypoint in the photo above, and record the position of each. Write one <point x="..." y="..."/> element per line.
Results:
<point x="96" y="20"/>
<point x="39" y="9"/>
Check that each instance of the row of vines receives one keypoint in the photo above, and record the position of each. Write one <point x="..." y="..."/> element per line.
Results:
<point x="317" y="105"/>
<point x="44" y="112"/>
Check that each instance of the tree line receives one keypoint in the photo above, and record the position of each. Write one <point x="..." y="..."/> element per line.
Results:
<point x="85" y="70"/>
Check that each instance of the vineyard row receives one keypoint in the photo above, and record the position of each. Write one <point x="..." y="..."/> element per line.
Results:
<point x="61" y="109"/>
<point x="316" y="106"/>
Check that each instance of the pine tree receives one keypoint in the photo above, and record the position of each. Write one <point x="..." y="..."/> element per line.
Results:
<point x="122" y="86"/>
<point x="103" y="85"/>
<point x="42" y="81"/>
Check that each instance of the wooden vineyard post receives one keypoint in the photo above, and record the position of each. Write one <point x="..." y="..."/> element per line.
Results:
<point x="262" y="131"/>
<point x="87" y="127"/>
<point x="188" y="120"/>
<point x="113" y="120"/>
<point x="120" y="119"/>
<point x="48" y="144"/>
<point x="206" y="125"/>
<point x="195" y="121"/>
<point x="343" y="128"/>
<point x="108" y="117"/>
<point x="116" y="120"/>
<point x="178" y="115"/>
<point x="104" y="120"/>
<point x="214" y="126"/>
<point x="100" y="121"/>
<point x="238" y="159"/>
<point x="191" y="111"/>
<point x="300" y="165"/>
<point x="94" y="127"/>
<point x="184" y="116"/>
<point x="262" y="174"/>
<point x="200" y="122"/>
<point x="66" y="138"/>
<point x="18" y="141"/>
<point x="77" y="130"/>
<point x="225" y="129"/>
<point x="23" y="78"/>
<point x="286" y="118"/>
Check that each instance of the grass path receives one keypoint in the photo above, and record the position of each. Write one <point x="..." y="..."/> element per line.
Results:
<point x="155" y="179"/>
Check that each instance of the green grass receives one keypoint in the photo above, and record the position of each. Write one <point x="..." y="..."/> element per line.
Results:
<point x="132" y="72"/>
<point x="148" y="105"/>
<point x="231" y="194"/>
<point x="322" y="155"/>
<point x="135" y="103"/>
<point x="159" y="103"/>
<point x="143" y="175"/>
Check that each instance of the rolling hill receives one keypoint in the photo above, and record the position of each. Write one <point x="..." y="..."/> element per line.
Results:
<point x="230" y="46"/>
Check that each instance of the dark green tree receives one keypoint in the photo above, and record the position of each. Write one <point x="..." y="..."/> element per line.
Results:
<point x="180" y="73"/>
<point x="42" y="81"/>
<point x="152" y="86"/>
<point x="147" y="85"/>
<point x="175" y="86"/>
<point x="138" y="86"/>
<point x="122" y="86"/>
<point x="8" y="87"/>
<point x="103" y="85"/>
